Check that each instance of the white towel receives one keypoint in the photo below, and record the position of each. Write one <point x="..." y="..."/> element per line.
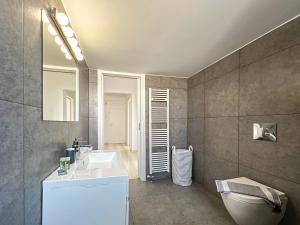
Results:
<point x="268" y="194"/>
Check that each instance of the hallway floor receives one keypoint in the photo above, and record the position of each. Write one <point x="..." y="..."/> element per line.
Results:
<point x="163" y="203"/>
<point x="129" y="158"/>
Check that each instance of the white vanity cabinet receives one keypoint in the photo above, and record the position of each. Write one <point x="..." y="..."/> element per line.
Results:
<point x="95" y="194"/>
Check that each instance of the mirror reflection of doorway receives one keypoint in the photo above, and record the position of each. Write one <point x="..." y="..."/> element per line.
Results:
<point x="120" y="120"/>
<point x="69" y="105"/>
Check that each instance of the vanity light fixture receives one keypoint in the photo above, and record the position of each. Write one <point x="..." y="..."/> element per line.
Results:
<point x="64" y="49"/>
<point x="68" y="32"/>
<point x="72" y="41"/>
<point x="51" y="30"/>
<point x="58" y="40"/>
<point x="64" y="35"/>
<point x="68" y="56"/>
<point x="62" y="19"/>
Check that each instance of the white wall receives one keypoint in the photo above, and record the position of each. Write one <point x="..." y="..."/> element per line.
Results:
<point x="125" y="86"/>
<point x="115" y="118"/>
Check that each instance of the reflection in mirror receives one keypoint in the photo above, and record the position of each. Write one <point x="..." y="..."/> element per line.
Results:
<point x="60" y="79"/>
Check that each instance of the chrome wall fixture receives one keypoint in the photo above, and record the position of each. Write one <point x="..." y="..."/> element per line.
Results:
<point x="265" y="131"/>
<point x="59" y="27"/>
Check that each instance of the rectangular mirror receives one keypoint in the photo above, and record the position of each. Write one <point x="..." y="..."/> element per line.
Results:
<point x="60" y="79"/>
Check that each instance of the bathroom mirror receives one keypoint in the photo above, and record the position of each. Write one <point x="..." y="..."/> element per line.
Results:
<point x="60" y="78"/>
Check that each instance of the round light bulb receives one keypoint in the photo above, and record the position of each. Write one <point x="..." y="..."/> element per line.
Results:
<point x="58" y="40"/>
<point x="79" y="56"/>
<point x="72" y="41"/>
<point x="68" y="32"/>
<point x="62" y="19"/>
<point x="51" y="30"/>
<point x="68" y="56"/>
<point x="64" y="49"/>
<point x="76" y="49"/>
<point x="45" y="18"/>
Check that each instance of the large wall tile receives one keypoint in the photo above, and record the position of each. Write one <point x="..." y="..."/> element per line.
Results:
<point x="93" y="132"/>
<point x="196" y="79"/>
<point x="221" y="95"/>
<point x="11" y="163"/>
<point x="281" y="38"/>
<point x="93" y="100"/>
<point x="217" y="169"/>
<point x="79" y="129"/>
<point x="152" y="81"/>
<point x="196" y="101"/>
<point x="179" y="82"/>
<point x="221" y="138"/>
<point x="93" y="108"/>
<point x="222" y="67"/>
<point x="32" y="53"/>
<point x="198" y="166"/>
<point x="173" y="82"/>
<point x="196" y="134"/>
<point x="178" y="133"/>
<point x="292" y="191"/>
<point x="165" y="82"/>
<point x="83" y="92"/>
<point x="11" y="51"/>
<point x="282" y="158"/>
<point x="44" y="143"/>
<point x="178" y="103"/>
<point x="92" y="76"/>
<point x="271" y="86"/>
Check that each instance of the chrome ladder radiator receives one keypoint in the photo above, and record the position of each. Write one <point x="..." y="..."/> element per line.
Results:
<point x="159" y="154"/>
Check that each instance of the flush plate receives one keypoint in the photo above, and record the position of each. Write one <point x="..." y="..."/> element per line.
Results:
<point x="265" y="131"/>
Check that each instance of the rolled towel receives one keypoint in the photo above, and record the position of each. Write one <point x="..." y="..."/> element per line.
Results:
<point x="266" y="193"/>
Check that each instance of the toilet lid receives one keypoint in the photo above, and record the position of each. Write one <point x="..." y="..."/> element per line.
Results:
<point x="249" y="198"/>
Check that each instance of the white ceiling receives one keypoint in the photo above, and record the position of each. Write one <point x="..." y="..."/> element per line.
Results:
<point x="170" y="37"/>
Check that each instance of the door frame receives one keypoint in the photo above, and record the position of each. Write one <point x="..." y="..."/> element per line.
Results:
<point x="141" y="142"/>
<point x="129" y="122"/>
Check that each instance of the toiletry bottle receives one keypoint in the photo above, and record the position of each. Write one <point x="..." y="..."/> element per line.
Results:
<point x="76" y="146"/>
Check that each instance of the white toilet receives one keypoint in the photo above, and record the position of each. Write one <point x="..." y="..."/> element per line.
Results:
<point x="249" y="210"/>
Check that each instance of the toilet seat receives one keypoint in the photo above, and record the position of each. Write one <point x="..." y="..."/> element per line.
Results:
<point x="248" y="198"/>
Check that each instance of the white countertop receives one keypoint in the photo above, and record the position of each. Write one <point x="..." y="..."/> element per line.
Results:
<point x="114" y="168"/>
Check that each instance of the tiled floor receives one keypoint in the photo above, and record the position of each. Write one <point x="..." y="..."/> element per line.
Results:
<point x="163" y="203"/>
<point x="129" y="157"/>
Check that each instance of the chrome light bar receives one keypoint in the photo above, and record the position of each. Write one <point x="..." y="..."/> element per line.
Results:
<point x="60" y="28"/>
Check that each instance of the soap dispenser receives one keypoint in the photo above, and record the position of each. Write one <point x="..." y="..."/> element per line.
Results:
<point x="76" y="145"/>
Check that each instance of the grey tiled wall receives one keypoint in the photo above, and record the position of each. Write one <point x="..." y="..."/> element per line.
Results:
<point x="93" y="108"/>
<point x="259" y="83"/>
<point x="30" y="148"/>
<point x="178" y="111"/>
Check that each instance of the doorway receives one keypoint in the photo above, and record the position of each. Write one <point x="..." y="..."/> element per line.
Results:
<point x="121" y="125"/>
<point x="118" y="129"/>
<point x="116" y="121"/>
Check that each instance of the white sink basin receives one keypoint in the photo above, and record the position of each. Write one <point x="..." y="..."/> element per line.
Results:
<point x="101" y="156"/>
<point x="97" y="160"/>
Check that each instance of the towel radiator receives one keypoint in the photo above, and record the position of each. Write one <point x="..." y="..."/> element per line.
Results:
<point x="159" y="154"/>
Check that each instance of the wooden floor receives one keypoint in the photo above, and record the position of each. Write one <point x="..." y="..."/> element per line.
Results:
<point x="129" y="157"/>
